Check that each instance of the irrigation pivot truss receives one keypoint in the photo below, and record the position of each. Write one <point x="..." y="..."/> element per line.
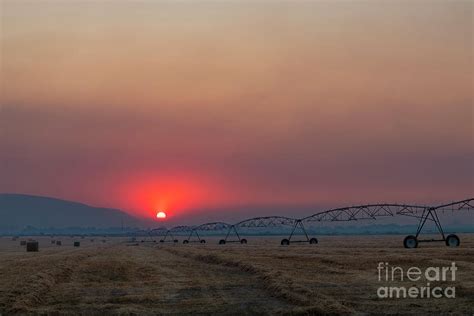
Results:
<point x="212" y="226"/>
<point x="352" y="213"/>
<point x="170" y="233"/>
<point x="266" y="221"/>
<point x="255" y="222"/>
<point x="457" y="206"/>
<point x="360" y="212"/>
<point x="372" y="211"/>
<point x="272" y="221"/>
<point x="431" y="213"/>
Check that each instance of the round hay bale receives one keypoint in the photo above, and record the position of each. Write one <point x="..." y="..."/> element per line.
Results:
<point x="32" y="246"/>
<point x="77" y="244"/>
<point x="58" y="243"/>
<point x="22" y="242"/>
<point x="92" y="240"/>
<point x="53" y="241"/>
<point x="104" y="240"/>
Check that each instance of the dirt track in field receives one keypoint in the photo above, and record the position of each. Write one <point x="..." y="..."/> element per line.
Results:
<point x="337" y="276"/>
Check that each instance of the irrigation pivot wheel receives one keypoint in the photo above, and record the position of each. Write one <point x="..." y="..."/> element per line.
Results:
<point x="285" y="242"/>
<point x="452" y="241"/>
<point x="410" y="242"/>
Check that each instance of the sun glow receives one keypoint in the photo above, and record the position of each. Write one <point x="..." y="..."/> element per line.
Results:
<point x="161" y="215"/>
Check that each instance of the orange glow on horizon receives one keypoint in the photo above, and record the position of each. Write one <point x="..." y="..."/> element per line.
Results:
<point x="147" y="195"/>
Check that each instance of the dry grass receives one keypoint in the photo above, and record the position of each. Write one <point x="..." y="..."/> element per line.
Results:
<point x="337" y="276"/>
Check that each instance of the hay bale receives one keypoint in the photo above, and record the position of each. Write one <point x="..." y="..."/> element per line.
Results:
<point x="53" y="241"/>
<point x="14" y="238"/>
<point x="104" y="240"/>
<point x="32" y="246"/>
<point x="22" y="242"/>
<point x="58" y="243"/>
<point x="77" y="244"/>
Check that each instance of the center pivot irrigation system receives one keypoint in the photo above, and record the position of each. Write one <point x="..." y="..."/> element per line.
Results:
<point x="345" y="214"/>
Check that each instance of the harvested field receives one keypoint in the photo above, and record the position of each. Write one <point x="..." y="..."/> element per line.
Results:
<point x="337" y="276"/>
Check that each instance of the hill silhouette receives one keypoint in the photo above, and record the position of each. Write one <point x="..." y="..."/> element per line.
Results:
<point x="19" y="210"/>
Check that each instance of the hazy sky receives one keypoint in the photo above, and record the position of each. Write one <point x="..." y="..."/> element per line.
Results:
<point x="199" y="107"/>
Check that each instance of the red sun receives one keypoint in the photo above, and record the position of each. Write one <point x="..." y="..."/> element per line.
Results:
<point x="161" y="215"/>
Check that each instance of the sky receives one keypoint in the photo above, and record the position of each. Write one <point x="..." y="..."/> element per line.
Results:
<point x="219" y="109"/>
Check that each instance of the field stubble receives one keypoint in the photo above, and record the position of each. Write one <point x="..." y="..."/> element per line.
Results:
<point x="337" y="276"/>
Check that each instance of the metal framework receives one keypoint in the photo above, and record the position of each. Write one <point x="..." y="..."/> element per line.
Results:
<point x="351" y="213"/>
<point x="372" y="211"/>
<point x="431" y="213"/>
<point x="170" y="233"/>
<point x="232" y="229"/>
<point x="157" y="232"/>
<point x="269" y="221"/>
<point x="362" y="212"/>
<point x="299" y="224"/>
<point x="457" y="206"/>
<point x="147" y="235"/>
<point x="213" y="226"/>
<point x="264" y="221"/>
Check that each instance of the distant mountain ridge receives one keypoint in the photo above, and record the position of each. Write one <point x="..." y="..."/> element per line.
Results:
<point x="21" y="210"/>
